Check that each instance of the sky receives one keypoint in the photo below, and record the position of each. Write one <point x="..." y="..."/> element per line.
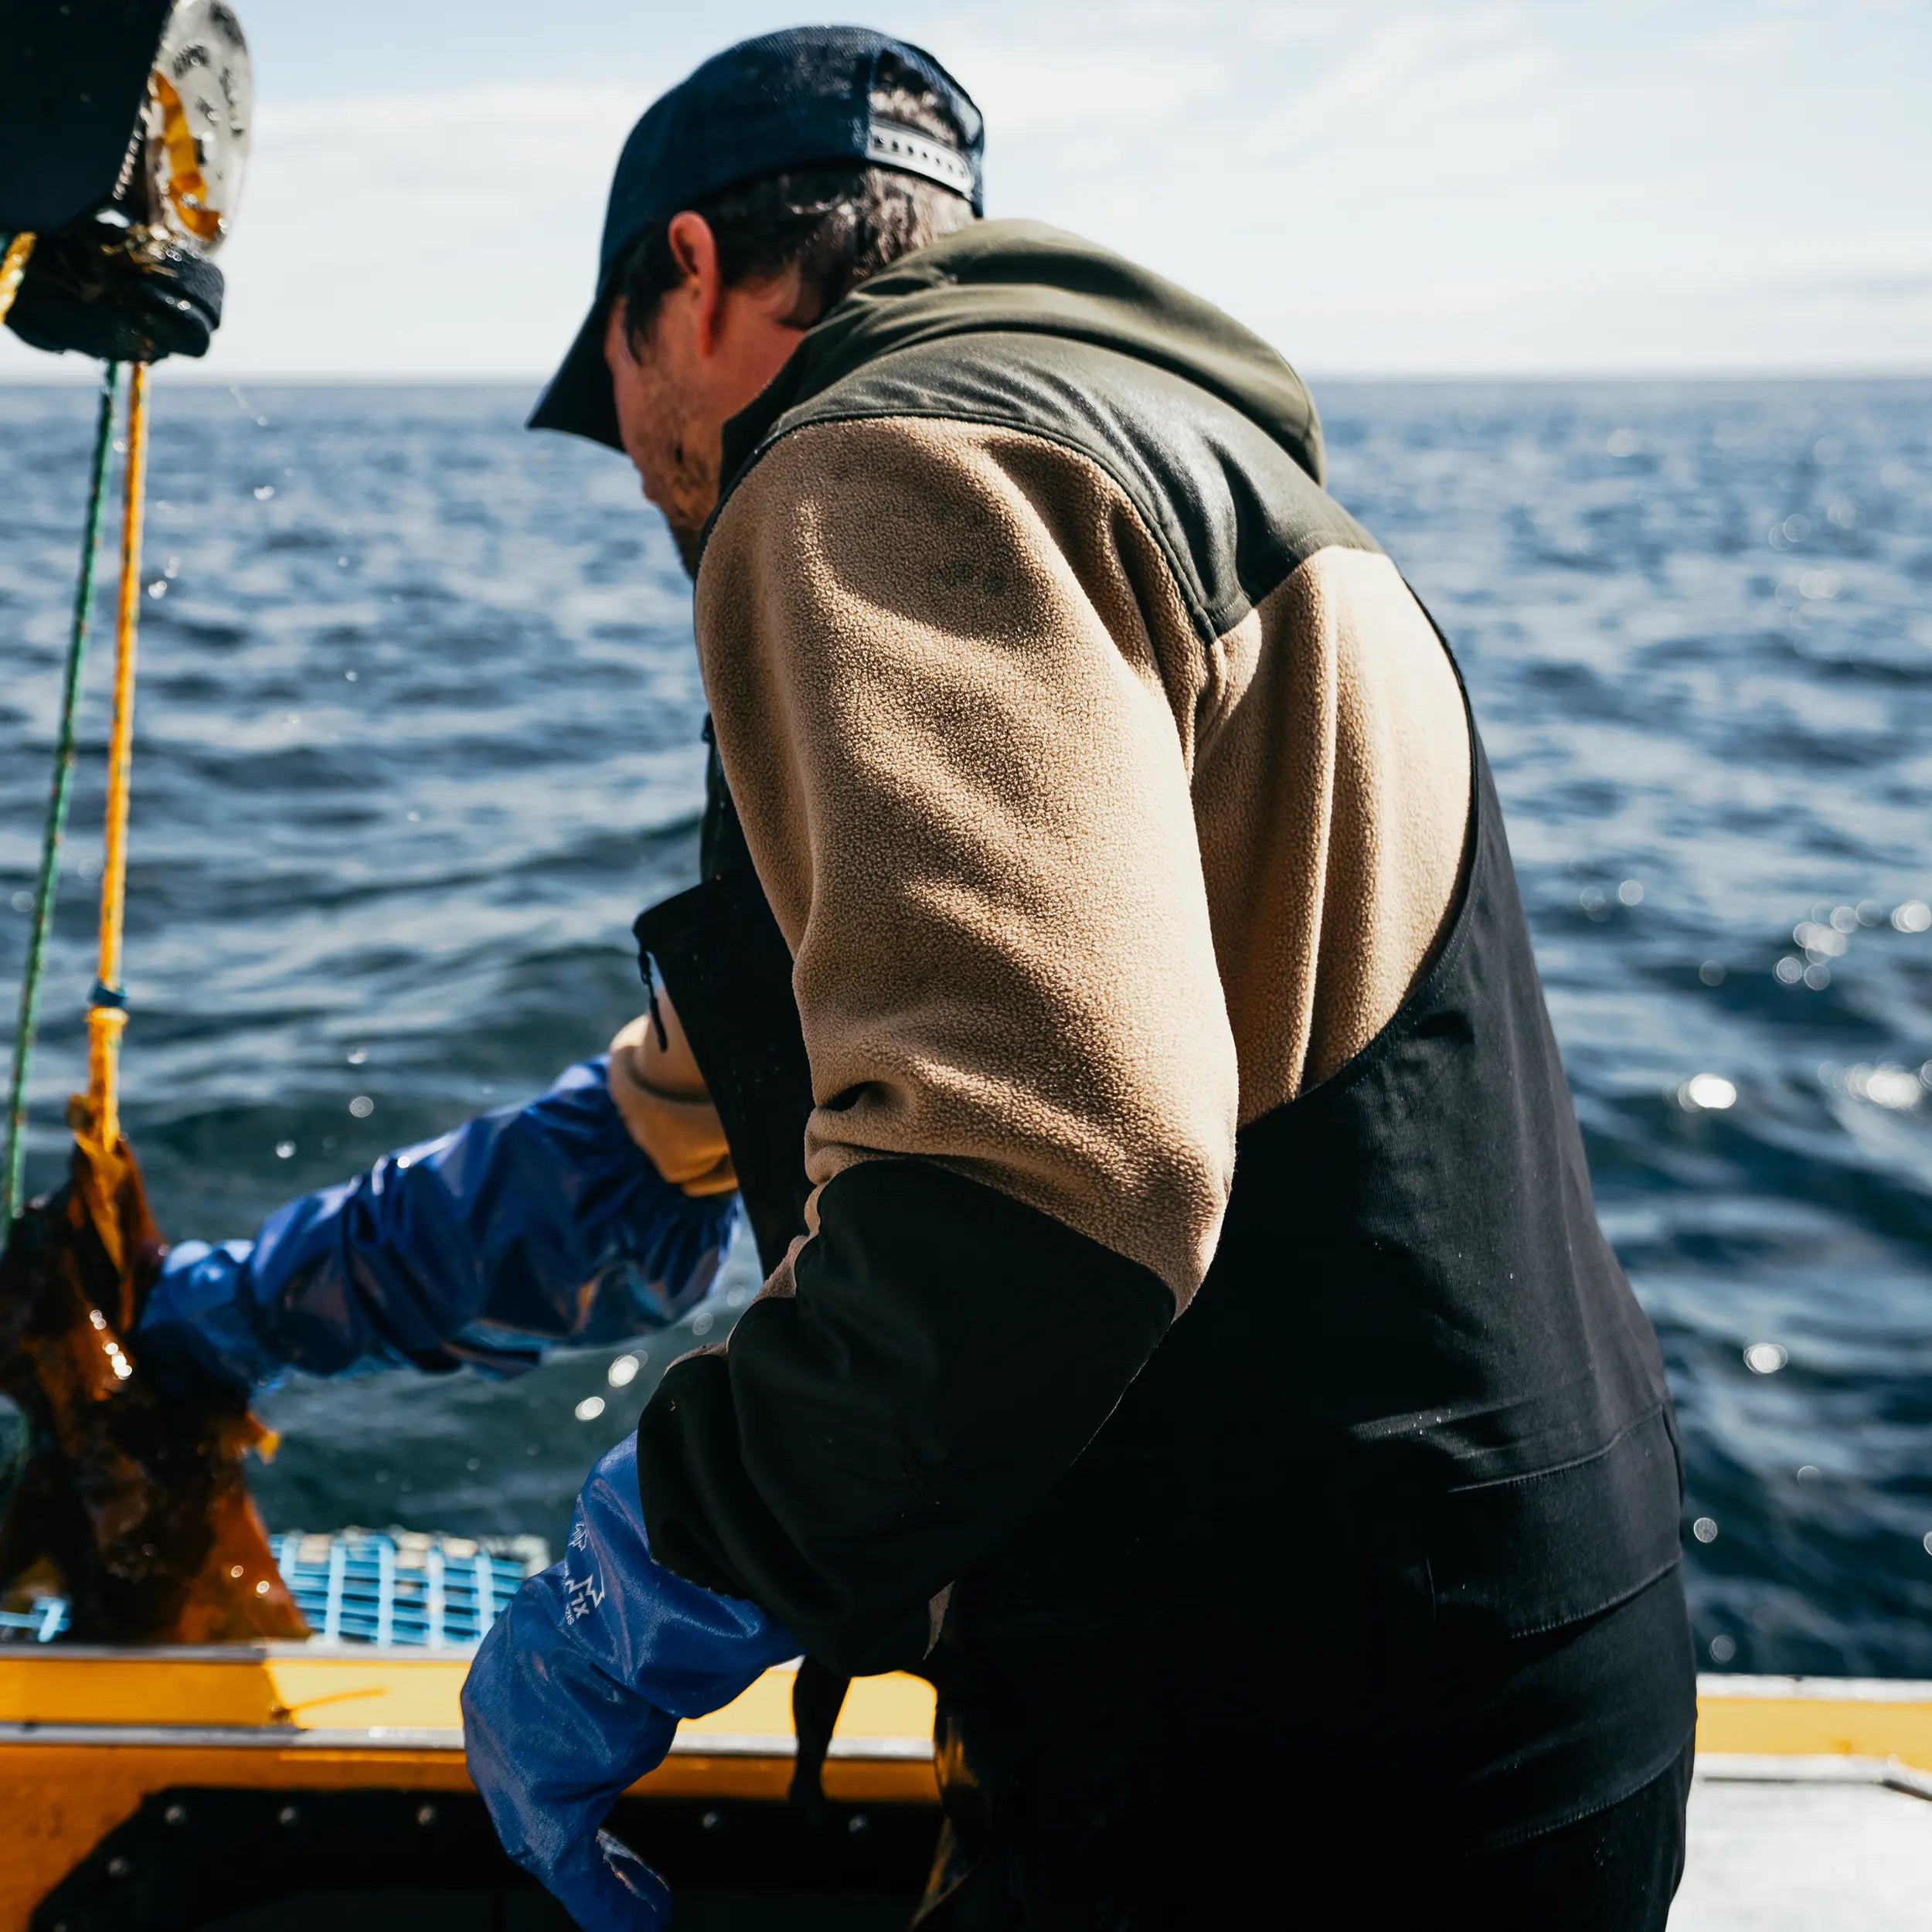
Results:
<point x="1620" y="187"/>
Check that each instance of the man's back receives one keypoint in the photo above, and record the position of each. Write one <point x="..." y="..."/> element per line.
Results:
<point x="1156" y="949"/>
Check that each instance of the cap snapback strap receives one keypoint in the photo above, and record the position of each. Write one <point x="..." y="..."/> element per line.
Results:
<point x="893" y="146"/>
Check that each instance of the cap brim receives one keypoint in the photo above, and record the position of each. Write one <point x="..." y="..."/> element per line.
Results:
<point x="578" y="400"/>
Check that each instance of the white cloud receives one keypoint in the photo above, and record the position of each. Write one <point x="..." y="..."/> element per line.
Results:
<point x="1380" y="187"/>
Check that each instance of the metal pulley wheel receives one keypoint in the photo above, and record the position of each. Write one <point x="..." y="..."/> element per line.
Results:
<point x="128" y="276"/>
<point x="196" y="126"/>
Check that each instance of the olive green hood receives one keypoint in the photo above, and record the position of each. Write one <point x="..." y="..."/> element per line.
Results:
<point x="1025" y="276"/>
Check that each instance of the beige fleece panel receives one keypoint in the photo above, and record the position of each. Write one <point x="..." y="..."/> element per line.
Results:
<point x="661" y="1095"/>
<point x="1332" y="784"/>
<point x="954" y="694"/>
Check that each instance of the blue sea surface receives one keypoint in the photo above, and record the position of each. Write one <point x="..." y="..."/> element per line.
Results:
<point x="418" y="736"/>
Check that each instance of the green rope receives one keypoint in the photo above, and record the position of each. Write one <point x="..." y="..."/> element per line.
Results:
<point x="10" y="1202"/>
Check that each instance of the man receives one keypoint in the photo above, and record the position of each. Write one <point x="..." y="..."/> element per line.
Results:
<point x="1188" y="1338"/>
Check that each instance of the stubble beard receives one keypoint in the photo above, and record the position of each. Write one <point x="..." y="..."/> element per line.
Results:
<point x="689" y="495"/>
<point x="679" y="465"/>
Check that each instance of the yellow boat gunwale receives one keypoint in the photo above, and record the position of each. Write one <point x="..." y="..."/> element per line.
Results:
<point x="86" y="1733"/>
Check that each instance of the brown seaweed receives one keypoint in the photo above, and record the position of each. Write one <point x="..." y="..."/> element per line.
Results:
<point x="133" y="1498"/>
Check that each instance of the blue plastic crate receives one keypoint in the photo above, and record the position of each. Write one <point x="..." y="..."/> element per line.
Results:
<point x="44" y="1619"/>
<point x="397" y="1588"/>
<point x="367" y="1587"/>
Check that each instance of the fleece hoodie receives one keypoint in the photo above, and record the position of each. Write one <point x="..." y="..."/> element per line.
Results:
<point x="1189" y="1185"/>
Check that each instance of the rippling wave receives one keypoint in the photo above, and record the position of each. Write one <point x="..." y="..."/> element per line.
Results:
<point x="418" y="735"/>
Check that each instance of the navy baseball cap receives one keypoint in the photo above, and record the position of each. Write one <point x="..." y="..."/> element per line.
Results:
<point x="796" y="99"/>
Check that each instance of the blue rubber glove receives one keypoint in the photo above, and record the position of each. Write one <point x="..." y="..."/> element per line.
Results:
<point x="530" y="1226"/>
<point x="576" y="1692"/>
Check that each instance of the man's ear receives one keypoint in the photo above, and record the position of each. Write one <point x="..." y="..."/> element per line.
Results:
<point x="694" y="250"/>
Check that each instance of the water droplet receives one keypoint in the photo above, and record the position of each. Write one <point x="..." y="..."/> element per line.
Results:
<point x="1630" y="892"/>
<point x="1621" y="443"/>
<point x="1712" y="972"/>
<point x="1895" y="1087"/>
<point x="700" y="1325"/>
<point x="1818" y="978"/>
<point x="414" y="818"/>
<point x="358" y="1056"/>
<point x="590" y="1409"/>
<point x="1709" y="1092"/>
<point x="348" y="677"/>
<point x="1820" y="585"/>
<point x="475" y="1464"/>
<point x="1915" y="916"/>
<point x="159" y="588"/>
<point x="1796" y="529"/>
<point x="1723" y="1649"/>
<point x="284" y="1150"/>
<point x="1705" y="1530"/>
<point x="1827" y="451"/>
<point x="1789" y="970"/>
<point x="1928" y="1542"/>
<point x="1809" y="1473"/>
<point x="1765" y="1357"/>
<point x="263" y="491"/>
<point x="261" y="1588"/>
<point x="361" y="1106"/>
<point x="23" y="902"/>
<point x="623" y="1372"/>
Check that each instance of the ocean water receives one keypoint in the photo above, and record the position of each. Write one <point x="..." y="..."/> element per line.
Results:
<point x="418" y="735"/>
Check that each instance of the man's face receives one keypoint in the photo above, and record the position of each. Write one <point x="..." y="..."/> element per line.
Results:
<point x="664" y="426"/>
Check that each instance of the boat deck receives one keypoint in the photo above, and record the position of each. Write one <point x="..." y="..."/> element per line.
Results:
<point x="1806" y="1844"/>
<point x="189" y="1788"/>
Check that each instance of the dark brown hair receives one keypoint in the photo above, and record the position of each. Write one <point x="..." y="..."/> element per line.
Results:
<point x="836" y="224"/>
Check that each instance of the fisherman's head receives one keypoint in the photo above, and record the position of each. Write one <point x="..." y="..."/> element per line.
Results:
<point x="748" y="200"/>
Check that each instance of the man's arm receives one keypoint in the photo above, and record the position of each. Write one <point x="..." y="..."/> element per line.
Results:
<point x="953" y="688"/>
<point x="599" y="1210"/>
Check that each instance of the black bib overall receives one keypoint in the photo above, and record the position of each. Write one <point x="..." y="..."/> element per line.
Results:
<point x="1374" y="1566"/>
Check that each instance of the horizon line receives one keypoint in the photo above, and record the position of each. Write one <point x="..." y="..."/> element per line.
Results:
<point x="73" y="377"/>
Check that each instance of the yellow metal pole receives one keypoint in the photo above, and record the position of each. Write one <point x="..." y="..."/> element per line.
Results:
<point x="13" y="265"/>
<point x="107" y="1015"/>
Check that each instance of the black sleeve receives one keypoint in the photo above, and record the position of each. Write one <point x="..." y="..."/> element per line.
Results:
<point x="948" y="1354"/>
